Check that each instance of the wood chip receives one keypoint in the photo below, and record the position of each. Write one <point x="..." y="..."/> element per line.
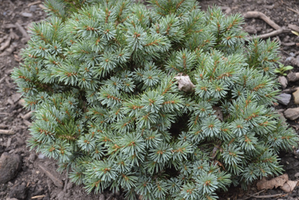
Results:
<point x="23" y="31"/>
<point x="38" y="196"/>
<point x="51" y="175"/>
<point x="8" y="26"/>
<point x="5" y="44"/>
<point x="27" y="116"/>
<point x="9" y="50"/>
<point x="295" y="11"/>
<point x="16" y="97"/>
<point x="27" y="123"/>
<point x="3" y="38"/>
<point x="6" y="132"/>
<point x="34" y="3"/>
<point x="42" y="6"/>
<point x="26" y="14"/>
<point x="8" y="143"/>
<point x="294" y="27"/>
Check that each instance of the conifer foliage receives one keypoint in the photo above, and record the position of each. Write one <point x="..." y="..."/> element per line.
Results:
<point x="102" y="78"/>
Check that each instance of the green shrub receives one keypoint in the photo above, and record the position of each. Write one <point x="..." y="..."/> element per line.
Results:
<point x="106" y="82"/>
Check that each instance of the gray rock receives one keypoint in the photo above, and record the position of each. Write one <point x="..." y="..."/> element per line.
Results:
<point x="283" y="81"/>
<point x="293" y="76"/>
<point x="284" y="98"/>
<point x="9" y="166"/>
<point x="291" y="113"/>
<point x="41" y="156"/>
<point x="32" y="8"/>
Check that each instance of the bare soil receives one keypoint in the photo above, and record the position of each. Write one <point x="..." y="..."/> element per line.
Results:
<point x="37" y="177"/>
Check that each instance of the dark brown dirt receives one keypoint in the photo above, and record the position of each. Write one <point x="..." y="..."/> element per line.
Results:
<point x="37" y="178"/>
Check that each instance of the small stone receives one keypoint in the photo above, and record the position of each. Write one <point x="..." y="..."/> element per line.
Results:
<point x="9" y="166"/>
<point x="281" y="116"/>
<point x="22" y="102"/>
<point x="296" y="96"/>
<point x="291" y="113"/>
<point x="26" y="14"/>
<point x="32" y="157"/>
<point x="297" y="175"/>
<point x="250" y="29"/>
<point x="102" y="197"/>
<point x="259" y="28"/>
<point x="283" y="81"/>
<point x="293" y="76"/>
<point x="41" y="156"/>
<point x="295" y="62"/>
<point x="32" y="8"/>
<point x="284" y="98"/>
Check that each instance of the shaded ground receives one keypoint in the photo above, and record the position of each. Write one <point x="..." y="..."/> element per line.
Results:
<point x="37" y="177"/>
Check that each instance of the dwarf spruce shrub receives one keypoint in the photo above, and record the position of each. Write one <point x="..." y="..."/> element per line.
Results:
<point x="162" y="101"/>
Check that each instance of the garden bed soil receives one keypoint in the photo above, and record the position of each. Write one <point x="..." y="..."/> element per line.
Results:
<point x="35" y="176"/>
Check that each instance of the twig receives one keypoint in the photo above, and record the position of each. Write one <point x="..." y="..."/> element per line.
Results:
<point x="271" y="34"/>
<point x="33" y="3"/>
<point x="27" y="115"/>
<point x="38" y="196"/>
<point x="256" y="14"/>
<point x="6" y="132"/>
<point x="42" y="6"/>
<point x="254" y="194"/>
<point x="278" y="29"/>
<point x="268" y="196"/>
<point x="295" y="11"/>
<point x="288" y="44"/>
<point x="24" y="33"/>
